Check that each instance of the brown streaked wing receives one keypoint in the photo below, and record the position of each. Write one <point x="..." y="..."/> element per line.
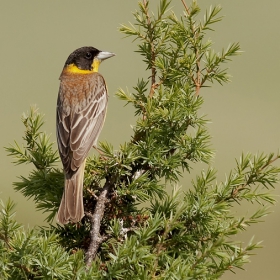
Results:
<point x="78" y="130"/>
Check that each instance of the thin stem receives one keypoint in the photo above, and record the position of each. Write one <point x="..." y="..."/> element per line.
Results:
<point x="196" y="79"/>
<point x="153" y="54"/>
<point x="270" y="162"/>
<point x="198" y="82"/>
<point x="6" y="240"/>
<point x="159" y="249"/>
<point x="186" y="7"/>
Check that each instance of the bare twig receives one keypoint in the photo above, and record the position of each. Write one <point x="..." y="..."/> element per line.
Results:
<point x="198" y="82"/>
<point x="186" y="7"/>
<point x="95" y="219"/>
<point x="92" y="194"/>
<point x="124" y="231"/>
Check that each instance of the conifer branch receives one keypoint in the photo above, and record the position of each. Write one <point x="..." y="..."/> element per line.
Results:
<point x="136" y="229"/>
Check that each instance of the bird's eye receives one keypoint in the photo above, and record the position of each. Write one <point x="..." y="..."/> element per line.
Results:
<point x="88" y="55"/>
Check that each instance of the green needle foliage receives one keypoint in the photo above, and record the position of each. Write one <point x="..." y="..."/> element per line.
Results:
<point x="145" y="232"/>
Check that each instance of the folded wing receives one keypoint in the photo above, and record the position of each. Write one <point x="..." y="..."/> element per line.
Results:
<point x="80" y="117"/>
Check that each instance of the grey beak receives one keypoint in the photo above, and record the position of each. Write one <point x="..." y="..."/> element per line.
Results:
<point x="104" y="55"/>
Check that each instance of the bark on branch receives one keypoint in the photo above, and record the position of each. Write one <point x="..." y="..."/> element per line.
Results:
<point x="95" y="219"/>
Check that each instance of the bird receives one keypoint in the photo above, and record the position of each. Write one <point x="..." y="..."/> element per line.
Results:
<point x="80" y="115"/>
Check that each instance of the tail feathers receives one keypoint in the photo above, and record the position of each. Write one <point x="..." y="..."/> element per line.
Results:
<point x="71" y="208"/>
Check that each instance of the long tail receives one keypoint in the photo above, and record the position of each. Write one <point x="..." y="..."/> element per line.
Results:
<point x="71" y="207"/>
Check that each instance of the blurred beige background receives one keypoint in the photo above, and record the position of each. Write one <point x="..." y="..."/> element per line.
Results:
<point x="37" y="36"/>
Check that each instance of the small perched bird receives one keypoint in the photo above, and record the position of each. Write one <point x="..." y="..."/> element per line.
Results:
<point x="80" y="114"/>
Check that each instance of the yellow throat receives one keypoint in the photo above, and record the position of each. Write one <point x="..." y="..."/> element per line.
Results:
<point x="72" y="68"/>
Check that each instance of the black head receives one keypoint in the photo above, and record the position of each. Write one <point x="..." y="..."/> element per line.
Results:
<point x="82" y="57"/>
